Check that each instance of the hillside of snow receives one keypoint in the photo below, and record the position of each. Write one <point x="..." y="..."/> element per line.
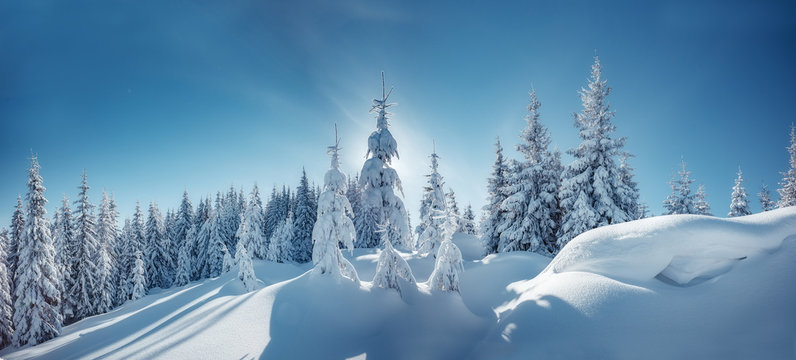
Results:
<point x="666" y="287"/>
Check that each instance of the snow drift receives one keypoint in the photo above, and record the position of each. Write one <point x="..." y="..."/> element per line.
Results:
<point x="667" y="287"/>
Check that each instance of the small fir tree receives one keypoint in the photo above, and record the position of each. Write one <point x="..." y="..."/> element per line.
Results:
<point x="392" y="271"/>
<point x="739" y="206"/>
<point x="787" y="190"/>
<point x="765" y="198"/>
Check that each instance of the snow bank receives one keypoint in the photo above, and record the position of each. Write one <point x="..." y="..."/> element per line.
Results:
<point x="662" y="288"/>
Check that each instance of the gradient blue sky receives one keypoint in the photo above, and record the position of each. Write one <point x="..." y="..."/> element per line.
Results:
<point x="153" y="97"/>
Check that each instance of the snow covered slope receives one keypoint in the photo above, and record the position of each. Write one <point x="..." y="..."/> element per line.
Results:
<point x="666" y="287"/>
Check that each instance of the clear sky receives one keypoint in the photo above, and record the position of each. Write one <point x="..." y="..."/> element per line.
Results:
<point x="154" y="97"/>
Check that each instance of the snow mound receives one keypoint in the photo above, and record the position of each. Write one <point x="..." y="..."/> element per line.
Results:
<point x="609" y="293"/>
<point x="680" y="249"/>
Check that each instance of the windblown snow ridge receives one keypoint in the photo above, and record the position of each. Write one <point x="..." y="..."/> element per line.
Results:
<point x="678" y="249"/>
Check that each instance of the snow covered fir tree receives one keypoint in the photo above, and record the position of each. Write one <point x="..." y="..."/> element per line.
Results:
<point x="681" y="200"/>
<point x="333" y="226"/>
<point x="378" y="181"/>
<point x="497" y="182"/>
<point x="593" y="192"/>
<point x="740" y="204"/>
<point x="433" y="211"/>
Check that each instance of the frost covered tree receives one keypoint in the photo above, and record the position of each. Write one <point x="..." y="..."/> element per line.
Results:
<point x="591" y="188"/>
<point x="14" y="236"/>
<point x="765" y="198"/>
<point x="333" y="227"/>
<point x="628" y="191"/>
<point x="37" y="302"/>
<point x="392" y="271"/>
<point x="107" y="234"/>
<point x="379" y="181"/>
<point x="228" y="262"/>
<point x="159" y="267"/>
<point x="701" y="206"/>
<point x="183" y="274"/>
<point x="468" y="221"/>
<point x="436" y="215"/>
<point x="304" y="222"/>
<point x="453" y="208"/>
<point x="6" y="308"/>
<point x="87" y="272"/>
<point x="63" y="243"/>
<point x="787" y="190"/>
<point x="252" y="228"/>
<point x="448" y="267"/>
<point x="245" y="269"/>
<point x="184" y="220"/>
<point x="281" y="243"/>
<point x="681" y="200"/>
<point x="739" y="206"/>
<point x="531" y="206"/>
<point x="490" y="235"/>
<point x="354" y="196"/>
<point x="216" y="247"/>
<point x="138" y="277"/>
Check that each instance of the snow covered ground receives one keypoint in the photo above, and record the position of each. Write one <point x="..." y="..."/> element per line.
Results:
<point x="667" y="287"/>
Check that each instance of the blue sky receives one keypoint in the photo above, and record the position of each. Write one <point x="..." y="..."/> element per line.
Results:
<point x="154" y="97"/>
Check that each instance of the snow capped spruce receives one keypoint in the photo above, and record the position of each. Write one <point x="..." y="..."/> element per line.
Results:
<point x="83" y="293"/>
<point x="281" y="243"/>
<point x="182" y="224"/>
<point x="453" y="208"/>
<point x="787" y="190"/>
<point x="245" y="269"/>
<point x="252" y="228"/>
<point x="378" y="181"/>
<point x="468" y="221"/>
<point x="490" y="235"/>
<point x="354" y="196"/>
<point x="680" y="201"/>
<point x="531" y="207"/>
<point x="628" y="192"/>
<point x="392" y="271"/>
<point x="183" y="275"/>
<point x="36" y="298"/>
<point x="436" y="215"/>
<point x="306" y="213"/>
<point x="591" y="189"/>
<point x="63" y="242"/>
<point x="740" y="204"/>
<point x="138" y="277"/>
<point x="107" y="233"/>
<point x="159" y="267"/>
<point x="14" y="236"/>
<point x="6" y="309"/>
<point x="701" y="206"/>
<point x="333" y="226"/>
<point x="228" y="262"/>
<point x="765" y="198"/>
<point x="448" y="266"/>
<point x="216" y="247"/>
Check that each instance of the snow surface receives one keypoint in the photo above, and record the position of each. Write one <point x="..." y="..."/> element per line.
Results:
<point x="666" y="287"/>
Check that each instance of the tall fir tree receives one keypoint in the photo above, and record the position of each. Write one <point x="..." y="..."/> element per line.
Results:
<point x="739" y="206"/>
<point x="701" y="206"/>
<point x="333" y="227"/>
<point x="281" y="242"/>
<point x="83" y="293"/>
<point x="787" y="190"/>
<point x="379" y="181"/>
<point x="765" y="198"/>
<point x="6" y="306"/>
<point x="628" y="191"/>
<point x="591" y="189"/>
<point x="63" y="243"/>
<point x="37" y="302"/>
<point x="435" y="215"/>
<point x="453" y="209"/>
<point x="14" y="236"/>
<point x="681" y="200"/>
<point x="126" y="261"/>
<point x="531" y="206"/>
<point x="305" y="220"/>
<point x="183" y="273"/>
<point x="490" y="234"/>
<point x="251" y="232"/>
<point x="159" y="266"/>
<point x="107" y="235"/>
